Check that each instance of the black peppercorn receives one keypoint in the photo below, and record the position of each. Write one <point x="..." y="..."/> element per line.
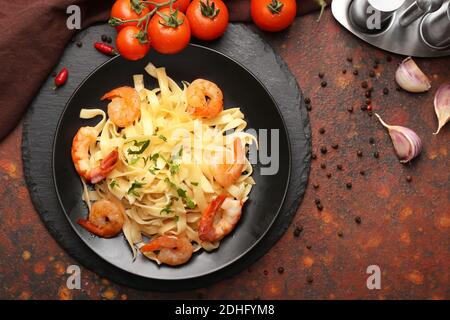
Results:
<point x="323" y="149"/>
<point x="372" y="74"/>
<point x="350" y="109"/>
<point x="362" y="172"/>
<point x="321" y="75"/>
<point x="359" y="153"/>
<point x="344" y="71"/>
<point x="328" y="175"/>
<point x="109" y="40"/>
<point x="104" y="37"/>
<point x="323" y="84"/>
<point x="340" y="234"/>
<point x="376" y="155"/>
<point x="307" y="100"/>
<point x="339" y="167"/>
<point x="308" y="246"/>
<point x="317" y="201"/>
<point x="335" y="146"/>
<point x="371" y="140"/>
<point x="355" y="72"/>
<point x="358" y="219"/>
<point x="280" y="270"/>
<point x="314" y="156"/>
<point x="79" y="44"/>
<point x="316" y="186"/>
<point x="349" y="59"/>
<point x="364" y="84"/>
<point x="297" y="231"/>
<point x="320" y="207"/>
<point x="408" y="178"/>
<point x="308" y="107"/>
<point x="309" y="279"/>
<point x="348" y="185"/>
<point x="322" y="130"/>
<point x="364" y="107"/>
<point x="323" y="165"/>
<point x="386" y="91"/>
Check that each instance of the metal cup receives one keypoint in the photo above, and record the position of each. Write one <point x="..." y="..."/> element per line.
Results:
<point x="418" y="9"/>
<point x="361" y="11"/>
<point x="435" y="29"/>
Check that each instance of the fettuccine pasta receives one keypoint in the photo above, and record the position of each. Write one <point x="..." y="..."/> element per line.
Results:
<point x="164" y="177"/>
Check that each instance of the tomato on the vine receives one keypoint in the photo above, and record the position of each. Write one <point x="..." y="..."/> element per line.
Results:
<point x="181" y="5"/>
<point x="128" y="10"/>
<point x="273" y="15"/>
<point x="208" y="18"/>
<point x="132" y="43"/>
<point x="169" y="31"/>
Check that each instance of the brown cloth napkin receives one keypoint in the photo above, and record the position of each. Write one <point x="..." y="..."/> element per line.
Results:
<point x="33" y="36"/>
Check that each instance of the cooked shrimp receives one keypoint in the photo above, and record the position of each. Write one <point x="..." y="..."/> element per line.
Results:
<point x="105" y="219"/>
<point x="219" y="218"/>
<point x="204" y="98"/>
<point x="124" y="107"/>
<point x="84" y="138"/>
<point x="172" y="250"/>
<point x="227" y="173"/>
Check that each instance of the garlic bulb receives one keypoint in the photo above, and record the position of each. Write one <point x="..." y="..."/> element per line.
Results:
<point x="407" y="143"/>
<point x="410" y="78"/>
<point x="442" y="105"/>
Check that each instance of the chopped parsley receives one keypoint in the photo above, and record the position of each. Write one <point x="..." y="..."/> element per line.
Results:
<point x="168" y="208"/>
<point x="174" y="168"/>
<point x="194" y="183"/>
<point x="162" y="137"/>
<point x="135" y="185"/>
<point x="190" y="204"/>
<point x="142" y="145"/>
<point x="177" y="218"/>
<point x="112" y="184"/>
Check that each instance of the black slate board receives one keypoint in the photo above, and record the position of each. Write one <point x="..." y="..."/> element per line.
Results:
<point x="239" y="43"/>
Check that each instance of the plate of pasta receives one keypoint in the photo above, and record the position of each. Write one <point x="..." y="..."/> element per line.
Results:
<point x="161" y="165"/>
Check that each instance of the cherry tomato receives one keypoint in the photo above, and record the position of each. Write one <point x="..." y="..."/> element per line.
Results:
<point x="181" y="5"/>
<point x="273" y="15"/>
<point x="123" y="10"/>
<point x="169" y="33"/>
<point x="129" y="45"/>
<point x="208" y="18"/>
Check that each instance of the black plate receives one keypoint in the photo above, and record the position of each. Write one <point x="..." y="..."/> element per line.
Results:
<point x="240" y="88"/>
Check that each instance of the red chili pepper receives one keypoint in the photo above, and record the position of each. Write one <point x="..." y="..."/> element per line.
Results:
<point x="104" y="48"/>
<point x="61" y="77"/>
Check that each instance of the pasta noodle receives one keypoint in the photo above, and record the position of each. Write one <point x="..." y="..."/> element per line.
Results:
<point x="163" y="178"/>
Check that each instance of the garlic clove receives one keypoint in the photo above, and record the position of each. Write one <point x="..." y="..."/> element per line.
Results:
<point x="410" y="78"/>
<point x="442" y="105"/>
<point x="407" y="144"/>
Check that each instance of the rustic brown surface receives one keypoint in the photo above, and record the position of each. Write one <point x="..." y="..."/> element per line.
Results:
<point x="404" y="228"/>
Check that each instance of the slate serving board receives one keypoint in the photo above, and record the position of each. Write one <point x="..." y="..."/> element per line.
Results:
<point x="239" y="43"/>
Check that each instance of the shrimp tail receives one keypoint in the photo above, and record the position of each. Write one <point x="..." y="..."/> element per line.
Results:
<point x="90" y="227"/>
<point x="206" y="230"/>
<point x="106" y="166"/>
<point x="151" y="246"/>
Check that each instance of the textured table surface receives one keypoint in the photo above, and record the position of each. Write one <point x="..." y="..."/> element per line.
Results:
<point x="404" y="226"/>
